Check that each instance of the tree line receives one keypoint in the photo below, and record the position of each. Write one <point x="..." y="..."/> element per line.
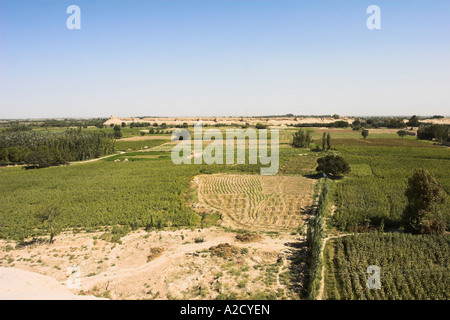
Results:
<point x="43" y="149"/>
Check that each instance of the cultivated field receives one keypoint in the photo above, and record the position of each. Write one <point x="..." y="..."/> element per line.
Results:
<point x="412" y="267"/>
<point x="257" y="202"/>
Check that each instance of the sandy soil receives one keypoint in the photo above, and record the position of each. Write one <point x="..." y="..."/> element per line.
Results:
<point x="273" y="121"/>
<point x="278" y="121"/>
<point x="16" y="284"/>
<point x="184" y="269"/>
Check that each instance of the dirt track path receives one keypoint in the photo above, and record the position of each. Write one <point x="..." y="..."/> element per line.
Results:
<point x="322" y="278"/>
<point x="96" y="159"/>
<point x="115" y="154"/>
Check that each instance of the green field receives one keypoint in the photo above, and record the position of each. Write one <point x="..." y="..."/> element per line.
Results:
<point x="374" y="190"/>
<point x="143" y="192"/>
<point x="411" y="266"/>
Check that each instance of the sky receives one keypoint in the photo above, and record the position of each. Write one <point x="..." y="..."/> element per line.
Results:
<point x="223" y="58"/>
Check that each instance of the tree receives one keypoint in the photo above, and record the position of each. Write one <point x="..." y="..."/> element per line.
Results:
<point x="440" y="132"/>
<point x="48" y="218"/>
<point x="333" y="165"/>
<point x="4" y="159"/>
<point x="117" y="132"/>
<point x="302" y="139"/>
<point x="324" y="141"/>
<point x="422" y="213"/>
<point x="42" y="157"/>
<point x="413" y="121"/>
<point x="335" y="116"/>
<point x="401" y="133"/>
<point x="434" y="131"/>
<point x="260" y="126"/>
<point x="395" y="123"/>
<point x="365" y="133"/>
<point x="142" y="133"/>
<point x="425" y="132"/>
<point x="124" y="124"/>
<point x="328" y="141"/>
<point x="14" y="154"/>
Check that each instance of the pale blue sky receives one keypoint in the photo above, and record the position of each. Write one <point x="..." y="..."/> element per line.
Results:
<point x="223" y="57"/>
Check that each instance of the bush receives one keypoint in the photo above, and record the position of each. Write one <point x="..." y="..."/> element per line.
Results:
<point x="424" y="195"/>
<point x="339" y="124"/>
<point x="260" y="126"/>
<point x="401" y="133"/>
<point x="333" y="165"/>
<point x="433" y="131"/>
<point x="365" y="133"/>
<point x="302" y="139"/>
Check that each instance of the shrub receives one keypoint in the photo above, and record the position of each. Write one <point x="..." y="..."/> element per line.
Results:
<point x="333" y="165"/>
<point x="424" y="194"/>
<point x="302" y="139"/>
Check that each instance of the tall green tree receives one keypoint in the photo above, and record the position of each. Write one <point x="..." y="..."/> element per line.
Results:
<point x="117" y="132"/>
<point x="413" y="121"/>
<point x="422" y="213"/>
<point x="324" y="141"/>
<point x="328" y="141"/>
<point x="441" y="132"/>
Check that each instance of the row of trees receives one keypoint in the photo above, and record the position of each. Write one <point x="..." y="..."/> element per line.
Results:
<point x="314" y="241"/>
<point x="336" y="124"/>
<point x="43" y="149"/>
<point x="392" y="123"/>
<point x="303" y="139"/>
<point x="326" y="141"/>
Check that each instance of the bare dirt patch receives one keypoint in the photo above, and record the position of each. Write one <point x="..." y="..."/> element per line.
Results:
<point x="25" y="285"/>
<point x="165" y="264"/>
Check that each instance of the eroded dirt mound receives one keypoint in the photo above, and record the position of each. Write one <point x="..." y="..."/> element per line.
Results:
<point x="248" y="237"/>
<point x="154" y="253"/>
<point x="224" y="250"/>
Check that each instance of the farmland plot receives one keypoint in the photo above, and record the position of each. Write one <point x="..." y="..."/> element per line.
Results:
<point x="411" y="266"/>
<point x="257" y="202"/>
